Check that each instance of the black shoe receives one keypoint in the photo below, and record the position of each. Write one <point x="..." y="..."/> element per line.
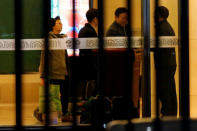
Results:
<point x="38" y="115"/>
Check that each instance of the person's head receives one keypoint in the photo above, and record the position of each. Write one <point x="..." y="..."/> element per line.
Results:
<point x="162" y="13"/>
<point x="92" y="16"/>
<point x="121" y="16"/>
<point x="55" y="25"/>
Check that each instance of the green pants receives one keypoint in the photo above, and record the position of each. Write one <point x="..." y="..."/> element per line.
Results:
<point x="54" y="98"/>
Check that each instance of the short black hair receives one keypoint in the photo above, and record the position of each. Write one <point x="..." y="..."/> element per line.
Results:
<point x="91" y="14"/>
<point x="120" y="11"/>
<point x="52" y="22"/>
<point x="162" y="12"/>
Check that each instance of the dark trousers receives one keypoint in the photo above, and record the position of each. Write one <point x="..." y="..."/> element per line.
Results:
<point x="167" y="90"/>
<point x="64" y="91"/>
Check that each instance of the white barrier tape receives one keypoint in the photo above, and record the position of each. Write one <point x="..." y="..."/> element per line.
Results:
<point x="86" y="43"/>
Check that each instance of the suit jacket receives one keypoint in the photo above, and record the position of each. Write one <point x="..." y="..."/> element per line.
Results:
<point x="166" y="56"/>
<point x="116" y="30"/>
<point x="87" y="31"/>
<point x="87" y="61"/>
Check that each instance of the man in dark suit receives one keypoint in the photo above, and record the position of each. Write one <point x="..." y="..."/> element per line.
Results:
<point x="119" y="26"/>
<point x="87" y="61"/>
<point x="90" y="28"/>
<point x="165" y="62"/>
<point x="116" y="60"/>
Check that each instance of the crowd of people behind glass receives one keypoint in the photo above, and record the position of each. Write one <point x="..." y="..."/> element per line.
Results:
<point x="114" y="105"/>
